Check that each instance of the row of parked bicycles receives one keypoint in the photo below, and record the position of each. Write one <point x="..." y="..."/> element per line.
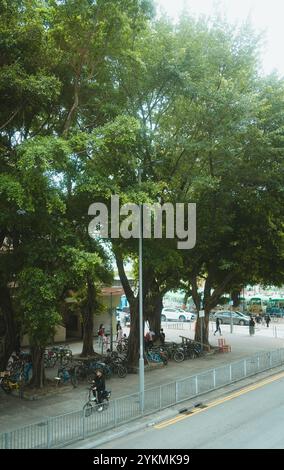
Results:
<point x="75" y="371"/>
<point x="17" y="374"/>
<point x="83" y="370"/>
<point x="57" y="355"/>
<point x="71" y="371"/>
<point x="162" y="353"/>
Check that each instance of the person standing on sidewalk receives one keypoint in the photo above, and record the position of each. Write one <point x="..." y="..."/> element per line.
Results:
<point x="101" y="334"/>
<point x="119" y="334"/>
<point x="251" y="326"/>
<point x="118" y="327"/>
<point x="267" y="320"/>
<point x="218" y="327"/>
<point x="106" y="342"/>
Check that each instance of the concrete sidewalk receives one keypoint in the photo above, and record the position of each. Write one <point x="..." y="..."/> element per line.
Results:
<point x="16" y="413"/>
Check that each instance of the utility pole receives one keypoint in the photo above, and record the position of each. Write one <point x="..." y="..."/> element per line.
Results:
<point x="141" y="323"/>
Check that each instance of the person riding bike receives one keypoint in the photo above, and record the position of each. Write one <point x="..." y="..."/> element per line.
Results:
<point x="99" y="388"/>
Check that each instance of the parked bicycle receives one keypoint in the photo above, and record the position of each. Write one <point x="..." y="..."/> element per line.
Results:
<point x="190" y="350"/>
<point x="122" y="345"/>
<point x="61" y="354"/>
<point x="65" y="375"/>
<point x="9" y="383"/>
<point x="110" y="367"/>
<point x="154" y="356"/>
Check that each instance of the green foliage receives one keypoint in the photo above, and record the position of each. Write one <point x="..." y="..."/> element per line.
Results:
<point x="38" y="295"/>
<point x="92" y="90"/>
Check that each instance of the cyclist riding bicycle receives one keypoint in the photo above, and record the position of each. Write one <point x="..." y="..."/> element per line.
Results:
<point x="99" y="388"/>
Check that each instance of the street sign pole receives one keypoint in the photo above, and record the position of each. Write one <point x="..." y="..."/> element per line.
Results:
<point x="231" y="317"/>
<point x="201" y="316"/>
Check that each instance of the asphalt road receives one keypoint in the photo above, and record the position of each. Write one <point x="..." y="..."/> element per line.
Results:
<point x="250" y="418"/>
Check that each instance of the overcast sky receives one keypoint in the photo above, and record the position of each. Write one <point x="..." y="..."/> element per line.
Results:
<point x="265" y="15"/>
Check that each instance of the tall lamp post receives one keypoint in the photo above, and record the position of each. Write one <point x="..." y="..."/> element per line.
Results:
<point x="141" y="323"/>
<point x="111" y="329"/>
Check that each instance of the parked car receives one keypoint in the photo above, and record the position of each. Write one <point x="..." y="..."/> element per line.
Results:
<point x="176" y="314"/>
<point x="238" y="318"/>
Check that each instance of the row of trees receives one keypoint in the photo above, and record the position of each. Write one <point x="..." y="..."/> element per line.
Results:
<point x="92" y="90"/>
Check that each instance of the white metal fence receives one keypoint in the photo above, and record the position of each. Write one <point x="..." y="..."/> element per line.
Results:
<point x="61" y="430"/>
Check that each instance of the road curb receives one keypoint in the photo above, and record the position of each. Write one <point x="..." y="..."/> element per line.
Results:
<point x="172" y="412"/>
<point x="116" y="435"/>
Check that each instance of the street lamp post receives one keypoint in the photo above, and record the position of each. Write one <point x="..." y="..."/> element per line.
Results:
<point x="231" y="316"/>
<point x="111" y="328"/>
<point x="141" y="323"/>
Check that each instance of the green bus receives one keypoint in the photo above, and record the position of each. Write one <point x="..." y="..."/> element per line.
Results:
<point x="275" y="307"/>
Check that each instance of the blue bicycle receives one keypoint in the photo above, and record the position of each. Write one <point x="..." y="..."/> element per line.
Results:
<point x="158" y="357"/>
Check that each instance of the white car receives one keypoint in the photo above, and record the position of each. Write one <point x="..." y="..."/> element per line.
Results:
<point x="176" y="314"/>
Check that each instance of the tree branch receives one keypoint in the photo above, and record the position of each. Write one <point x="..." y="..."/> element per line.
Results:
<point x="73" y="109"/>
<point x="10" y="119"/>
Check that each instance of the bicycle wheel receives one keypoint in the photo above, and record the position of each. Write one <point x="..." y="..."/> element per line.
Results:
<point x="178" y="356"/>
<point x="5" y="385"/>
<point x="88" y="409"/>
<point x="121" y="371"/>
<point x="66" y="358"/>
<point x="50" y="361"/>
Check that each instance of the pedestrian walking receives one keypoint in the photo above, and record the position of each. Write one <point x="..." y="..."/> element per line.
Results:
<point x="101" y="333"/>
<point x="118" y="326"/>
<point x="119" y="334"/>
<point x="251" y="326"/>
<point x="218" y="327"/>
<point x="267" y="320"/>
<point x="106" y="342"/>
<point x="162" y="336"/>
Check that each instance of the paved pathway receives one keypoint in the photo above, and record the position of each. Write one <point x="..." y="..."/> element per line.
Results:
<point x="16" y="413"/>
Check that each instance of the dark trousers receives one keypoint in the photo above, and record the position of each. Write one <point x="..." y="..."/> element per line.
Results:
<point x="99" y="395"/>
<point x="218" y="329"/>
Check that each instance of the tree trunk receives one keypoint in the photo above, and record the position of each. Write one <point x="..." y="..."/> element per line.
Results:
<point x="153" y="312"/>
<point x="133" y="340"/>
<point x="38" y="376"/>
<point x="235" y="296"/>
<point x="195" y="293"/>
<point x="9" y="338"/>
<point x="88" y="322"/>
<point x="204" y="337"/>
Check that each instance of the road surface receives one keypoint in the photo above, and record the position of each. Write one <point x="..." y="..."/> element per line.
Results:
<point x="250" y="418"/>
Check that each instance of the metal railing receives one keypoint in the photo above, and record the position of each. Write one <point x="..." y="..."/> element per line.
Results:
<point x="58" y="431"/>
<point x="174" y="325"/>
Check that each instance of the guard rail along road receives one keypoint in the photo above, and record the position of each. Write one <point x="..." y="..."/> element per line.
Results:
<point x="58" y="431"/>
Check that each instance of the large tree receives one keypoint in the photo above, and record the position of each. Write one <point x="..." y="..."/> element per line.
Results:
<point x="57" y="61"/>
